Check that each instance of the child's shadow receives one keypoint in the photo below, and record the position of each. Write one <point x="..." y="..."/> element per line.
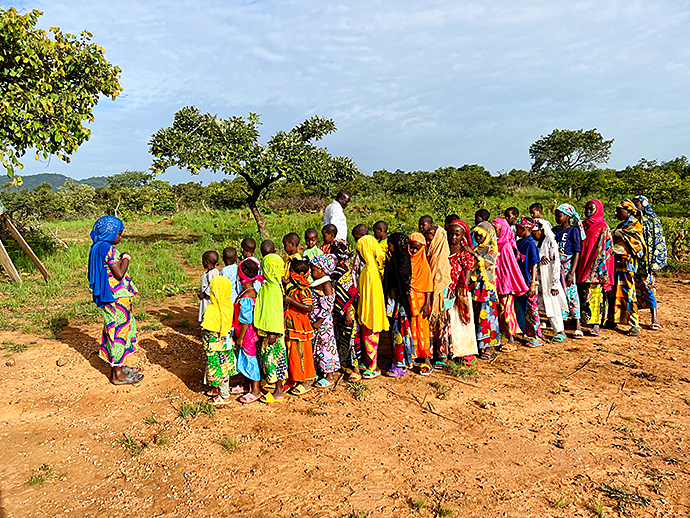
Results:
<point x="180" y="355"/>
<point x="85" y="345"/>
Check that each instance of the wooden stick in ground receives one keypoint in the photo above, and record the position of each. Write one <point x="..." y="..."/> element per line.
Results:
<point x="431" y="409"/>
<point x="579" y="368"/>
<point x="25" y="246"/>
<point x="8" y="265"/>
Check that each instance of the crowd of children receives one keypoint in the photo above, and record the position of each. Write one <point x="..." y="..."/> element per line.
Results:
<point x="445" y="293"/>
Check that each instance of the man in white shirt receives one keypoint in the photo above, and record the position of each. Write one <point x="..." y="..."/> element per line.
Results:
<point x="335" y="215"/>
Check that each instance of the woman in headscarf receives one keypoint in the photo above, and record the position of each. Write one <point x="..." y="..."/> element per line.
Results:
<point x="463" y="338"/>
<point x="552" y="299"/>
<point x="216" y="338"/>
<point x="509" y="282"/>
<point x="569" y="235"/>
<point x="397" y="278"/>
<point x="371" y="309"/>
<point x="112" y="292"/>
<point x="595" y="266"/>
<point x="270" y="326"/>
<point x="630" y="248"/>
<point x="321" y="316"/>
<point x="484" y="295"/>
<point x="442" y="300"/>
<point x="345" y="310"/>
<point x="655" y="259"/>
<point x="527" y="308"/>
<point x="421" y="292"/>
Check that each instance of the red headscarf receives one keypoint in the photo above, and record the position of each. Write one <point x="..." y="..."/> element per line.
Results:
<point x="594" y="225"/>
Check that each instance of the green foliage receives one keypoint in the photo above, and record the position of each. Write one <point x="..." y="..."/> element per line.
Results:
<point x="133" y="446"/>
<point x="359" y="390"/>
<point x="48" y="88"/>
<point x="196" y="408"/>
<point x="40" y="476"/>
<point x="230" y="442"/>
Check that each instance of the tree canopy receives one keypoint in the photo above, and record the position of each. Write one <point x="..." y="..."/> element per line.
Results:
<point x="49" y="84"/>
<point x="203" y="141"/>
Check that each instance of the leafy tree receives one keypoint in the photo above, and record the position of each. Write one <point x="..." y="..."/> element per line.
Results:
<point x="203" y="141"/>
<point x="557" y="156"/>
<point x="48" y="88"/>
<point x="660" y="182"/>
<point x="129" y="180"/>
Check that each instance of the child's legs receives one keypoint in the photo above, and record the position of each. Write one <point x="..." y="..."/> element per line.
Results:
<point x="557" y="323"/>
<point x="532" y="322"/>
<point x="421" y="336"/>
<point x="507" y="316"/>
<point x="486" y="322"/>
<point x="371" y="347"/>
<point x="224" y="389"/>
<point x="440" y="335"/>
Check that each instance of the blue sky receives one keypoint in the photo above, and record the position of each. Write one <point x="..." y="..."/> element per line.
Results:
<point x="411" y="85"/>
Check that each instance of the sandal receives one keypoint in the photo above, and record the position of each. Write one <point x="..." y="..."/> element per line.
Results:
<point x="133" y="377"/>
<point x="579" y="335"/>
<point x="655" y="327"/>
<point x="560" y="337"/>
<point x="213" y="392"/>
<point x="299" y="390"/>
<point x="369" y="374"/>
<point x="534" y="342"/>
<point x="486" y="356"/>
<point x="633" y="331"/>
<point x="592" y="332"/>
<point x="439" y="365"/>
<point x="219" y="401"/>
<point x="269" y="399"/>
<point x="507" y="348"/>
<point x="395" y="372"/>
<point x="322" y="383"/>
<point x="425" y="369"/>
<point x="238" y="389"/>
<point x="470" y="360"/>
<point x="354" y="377"/>
<point x="248" y="398"/>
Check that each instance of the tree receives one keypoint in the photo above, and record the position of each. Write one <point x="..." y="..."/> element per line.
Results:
<point x="562" y="152"/>
<point x="48" y="88"/>
<point x="203" y="141"/>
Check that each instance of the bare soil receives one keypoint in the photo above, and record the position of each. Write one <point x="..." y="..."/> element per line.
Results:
<point x="538" y="432"/>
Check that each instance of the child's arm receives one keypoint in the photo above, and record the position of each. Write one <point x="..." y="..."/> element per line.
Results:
<point x="302" y="307"/>
<point x="533" y="283"/>
<point x="426" y="308"/>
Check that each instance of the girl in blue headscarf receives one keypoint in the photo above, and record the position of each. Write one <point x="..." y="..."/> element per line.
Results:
<point x="112" y="292"/>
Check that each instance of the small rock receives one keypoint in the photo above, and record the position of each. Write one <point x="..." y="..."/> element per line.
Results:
<point x="61" y="362"/>
<point x="10" y="362"/>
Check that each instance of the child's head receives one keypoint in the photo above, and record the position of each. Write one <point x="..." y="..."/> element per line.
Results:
<point x="360" y="231"/>
<point x="248" y="247"/>
<point x="267" y="247"/>
<point x="291" y="243"/>
<point x="511" y="215"/>
<point x="524" y="227"/>
<point x="536" y="210"/>
<point x="449" y="219"/>
<point x="425" y="223"/>
<point x="562" y="218"/>
<point x="311" y="237"/>
<point x="480" y="216"/>
<point x="429" y="235"/>
<point x="299" y="266"/>
<point x="537" y="231"/>
<point x="479" y="237"/>
<point x="381" y="230"/>
<point x="209" y="259"/>
<point x="625" y="209"/>
<point x="250" y="269"/>
<point x="590" y="209"/>
<point x="455" y="234"/>
<point x="229" y="255"/>
<point x="328" y="233"/>
<point x="415" y="244"/>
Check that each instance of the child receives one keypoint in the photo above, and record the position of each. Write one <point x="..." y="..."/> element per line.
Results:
<point x="528" y="304"/>
<point x="439" y="318"/>
<point x="425" y="223"/>
<point x="421" y="293"/>
<point x="208" y="261"/>
<point x="291" y="247"/>
<point x="311" y="240"/>
<point x="509" y="283"/>
<point x="329" y="233"/>
<point x="483" y="284"/>
<point x="482" y="215"/>
<point x="511" y="215"/>
<point x="245" y="333"/>
<point x="381" y="234"/>
<point x="552" y="299"/>
<point x="536" y="210"/>
<point x="463" y="337"/>
<point x="230" y="270"/>
<point x="215" y="337"/>
<point x="449" y="219"/>
<point x="248" y="247"/>
<point x="270" y="323"/>
<point x="321" y="316"/>
<point x="359" y="231"/>
<point x="569" y="238"/>
<point x="345" y="310"/>
<point x="298" y="328"/>
<point x="372" y="306"/>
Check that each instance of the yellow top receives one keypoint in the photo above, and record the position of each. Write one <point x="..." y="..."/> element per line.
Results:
<point x="218" y="316"/>
<point x="372" y="304"/>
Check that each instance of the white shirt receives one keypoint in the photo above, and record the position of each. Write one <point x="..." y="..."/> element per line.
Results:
<point x="334" y="215"/>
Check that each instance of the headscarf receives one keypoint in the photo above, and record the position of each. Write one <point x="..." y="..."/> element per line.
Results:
<point x="268" y="312"/>
<point x="509" y="279"/>
<point x="105" y="231"/>
<point x="524" y="222"/>
<point x="460" y="262"/>
<point x="327" y="264"/>
<point x="575" y="219"/>
<point x="397" y="274"/>
<point x="422" y="281"/>
<point x="341" y="250"/>
<point x="657" y="253"/>
<point x="243" y="278"/>
<point x="218" y="316"/>
<point x="372" y="304"/>
<point x="438" y="254"/>
<point x="596" y="258"/>
<point x="633" y="245"/>
<point x="487" y="252"/>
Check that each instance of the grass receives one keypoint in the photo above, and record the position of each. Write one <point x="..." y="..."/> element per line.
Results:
<point x="623" y="498"/>
<point x="230" y="442"/>
<point x="461" y="371"/>
<point x="686" y="400"/>
<point x="621" y="428"/>
<point x="359" y="390"/>
<point x="39" y="477"/>
<point x="160" y="441"/>
<point x="134" y="447"/>
<point x="481" y="403"/>
<point x="15" y="348"/>
<point x="419" y="505"/>
<point x="444" y="511"/>
<point x="196" y="408"/>
<point x="599" y="509"/>
<point x="442" y="391"/>
<point x="561" y="502"/>
<point x="150" y="420"/>
<point x="356" y="514"/>
<point x="154" y="326"/>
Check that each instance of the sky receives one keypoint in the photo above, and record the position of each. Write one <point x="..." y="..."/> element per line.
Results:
<point x="410" y="85"/>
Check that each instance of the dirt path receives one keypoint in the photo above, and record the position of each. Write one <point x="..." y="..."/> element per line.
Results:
<point x="535" y="426"/>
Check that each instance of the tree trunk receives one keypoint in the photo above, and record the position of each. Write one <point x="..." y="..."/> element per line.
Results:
<point x="260" y="222"/>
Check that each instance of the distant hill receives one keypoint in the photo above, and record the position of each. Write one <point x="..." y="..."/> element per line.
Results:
<point x="31" y="181"/>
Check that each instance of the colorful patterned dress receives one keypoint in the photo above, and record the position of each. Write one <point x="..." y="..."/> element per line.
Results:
<point x="346" y="297"/>
<point x="324" y="343"/>
<point x="629" y="247"/>
<point x="463" y="337"/>
<point x="569" y="243"/>
<point x="298" y="331"/>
